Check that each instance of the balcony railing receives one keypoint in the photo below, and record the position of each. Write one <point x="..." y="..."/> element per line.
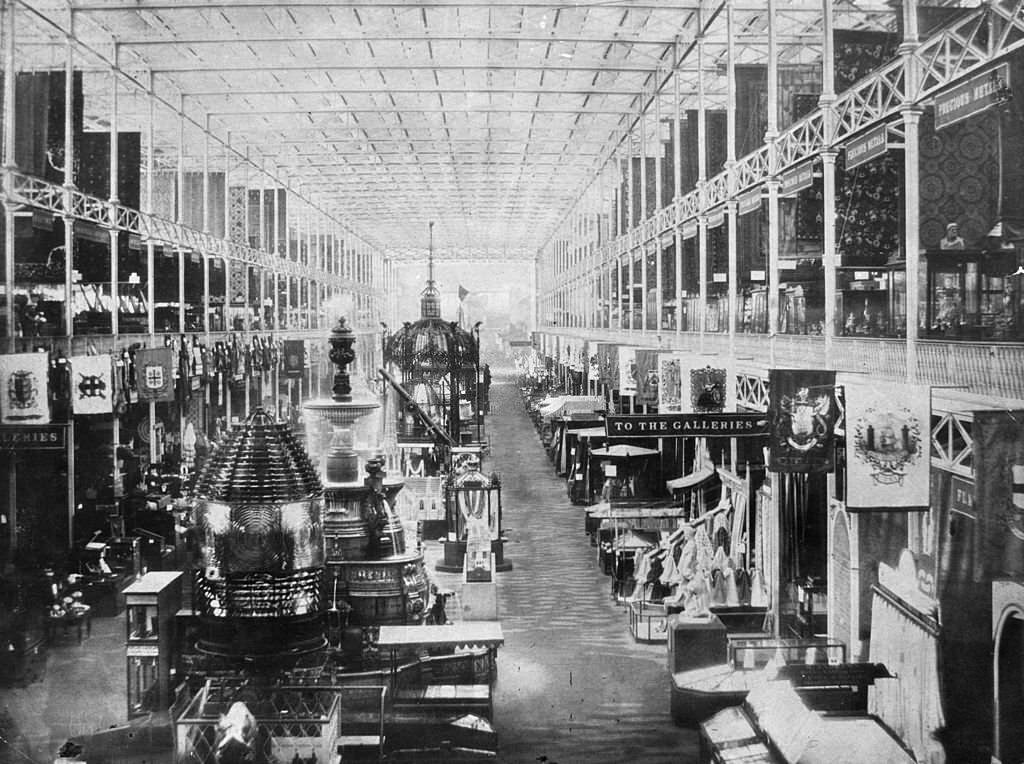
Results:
<point x="984" y="368"/>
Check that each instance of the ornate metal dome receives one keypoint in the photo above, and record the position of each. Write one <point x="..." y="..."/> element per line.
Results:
<point x="431" y="347"/>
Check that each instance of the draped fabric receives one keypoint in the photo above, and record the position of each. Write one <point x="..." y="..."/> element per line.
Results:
<point x="910" y="702"/>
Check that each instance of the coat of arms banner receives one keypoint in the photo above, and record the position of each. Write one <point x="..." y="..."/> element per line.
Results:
<point x="155" y="374"/>
<point x="887" y="464"/>
<point x="26" y="397"/>
<point x="802" y="412"/>
<point x="92" y="390"/>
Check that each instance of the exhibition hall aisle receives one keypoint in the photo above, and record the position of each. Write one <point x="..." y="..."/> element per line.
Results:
<point x="572" y="685"/>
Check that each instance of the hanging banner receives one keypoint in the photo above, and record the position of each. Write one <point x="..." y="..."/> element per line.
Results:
<point x="709" y="389"/>
<point x="627" y="370"/>
<point x="802" y="411"/>
<point x="26" y="398"/>
<point x="647" y="382"/>
<point x="669" y="384"/>
<point x="887" y="462"/>
<point x="294" y="357"/>
<point x="92" y="389"/>
<point x="724" y="425"/>
<point x="999" y="492"/>
<point x="609" y="359"/>
<point x="155" y="374"/>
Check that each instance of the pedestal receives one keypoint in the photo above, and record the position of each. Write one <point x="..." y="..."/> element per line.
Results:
<point x="696" y="642"/>
<point x="455" y="552"/>
<point x="479" y="599"/>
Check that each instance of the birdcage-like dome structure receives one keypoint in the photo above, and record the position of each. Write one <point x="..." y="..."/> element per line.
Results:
<point x="436" y="360"/>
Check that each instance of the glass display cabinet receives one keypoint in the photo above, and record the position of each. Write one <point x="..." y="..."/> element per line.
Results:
<point x="974" y="295"/>
<point x="151" y="604"/>
<point x="872" y="301"/>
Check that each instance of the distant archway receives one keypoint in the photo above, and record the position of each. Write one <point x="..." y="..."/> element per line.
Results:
<point x="1008" y="668"/>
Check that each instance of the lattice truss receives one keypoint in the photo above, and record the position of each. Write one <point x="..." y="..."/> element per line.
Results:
<point x="953" y="443"/>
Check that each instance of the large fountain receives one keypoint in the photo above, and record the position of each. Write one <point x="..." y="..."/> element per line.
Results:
<point x="369" y="569"/>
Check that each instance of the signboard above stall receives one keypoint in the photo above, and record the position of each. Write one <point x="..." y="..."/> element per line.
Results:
<point x="33" y="437"/>
<point x="973" y="96"/>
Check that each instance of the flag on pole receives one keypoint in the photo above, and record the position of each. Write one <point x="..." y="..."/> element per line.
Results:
<point x="462" y="292"/>
<point x="26" y="378"/>
<point x="155" y="374"/>
<point x="92" y="388"/>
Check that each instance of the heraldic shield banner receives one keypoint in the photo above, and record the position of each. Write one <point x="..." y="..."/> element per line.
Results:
<point x="26" y="398"/>
<point x="887" y="437"/>
<point x="802" y="415"/>
<point x="155" y="374"/>
<point x="999" y="491"/>
<point x="92" y="390"/>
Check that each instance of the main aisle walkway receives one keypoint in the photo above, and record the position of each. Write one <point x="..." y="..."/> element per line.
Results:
<point x="572" y="686"/>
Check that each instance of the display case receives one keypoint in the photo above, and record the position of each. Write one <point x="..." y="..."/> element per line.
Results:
<point x="974" y="295"/>
<point x="151" y="604"/>
<point x="872" y="301"/>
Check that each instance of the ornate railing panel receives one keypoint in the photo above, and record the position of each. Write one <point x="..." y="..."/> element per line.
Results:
<point x="871" y="100"/>
<point x="35" y="192"/>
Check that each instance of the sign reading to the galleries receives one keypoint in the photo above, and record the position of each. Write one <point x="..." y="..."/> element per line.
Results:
<point x="975" y="95"/>
<point x="33" y="437"/>
<point x="724" y="425"/>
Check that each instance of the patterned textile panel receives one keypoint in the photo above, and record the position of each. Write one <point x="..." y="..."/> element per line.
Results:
<point x="959" y="171"/>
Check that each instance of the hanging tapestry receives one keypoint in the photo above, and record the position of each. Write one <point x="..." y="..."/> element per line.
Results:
<point x="627" y="371"/>
<point x="26" y="388"/>
<point x="887" y="458"/>
<point x="669" y="384"/>
<point x="708" y="389"/>
<point x="155" y="379"/>
<point x="92" y="389"/>
<point x="294" y="357"/>
<point x="802" y="413"/>
<point x="647" y="382"/>
<point x="999" y="491"/>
